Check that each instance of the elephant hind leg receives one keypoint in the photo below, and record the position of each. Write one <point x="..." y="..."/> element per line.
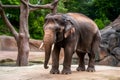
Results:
<point x="91" y="63"/>
<point x="94" y="54"/>
<point x="81" y="66"/>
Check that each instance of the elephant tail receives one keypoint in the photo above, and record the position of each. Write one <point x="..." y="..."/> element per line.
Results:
<point x="97" y="36"/>
<point x="96" y="45"/>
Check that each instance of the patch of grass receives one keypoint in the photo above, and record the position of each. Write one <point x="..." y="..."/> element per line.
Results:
<point x="38" y="62"/>
<point x="10" y="62"/>
<point x="6" y="60"/>
<point x="35" y="62"/>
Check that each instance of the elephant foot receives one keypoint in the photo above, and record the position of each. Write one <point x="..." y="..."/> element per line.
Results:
<point x="90" y="69"/>
<point x="80" y="68"/>
<point x="66" y="71"/>
<point x="54" y="71"/>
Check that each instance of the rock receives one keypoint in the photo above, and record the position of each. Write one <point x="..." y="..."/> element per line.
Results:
<point x="8" y="43"/>
<point x="110" y="44"/>
<point x="116" y="52"/>
<point x="116" y="23"/>
<point x="118" y="64"/>
<point x="35" y="44"/>
<point x="103" y="53"/>
<point x="109" y="60"/>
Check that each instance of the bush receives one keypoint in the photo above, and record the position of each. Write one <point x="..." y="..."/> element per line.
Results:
<point x="36" y="27"/>
<point x="102" y="22"/>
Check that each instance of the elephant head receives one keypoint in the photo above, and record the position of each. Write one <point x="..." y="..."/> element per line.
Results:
<point x="56" y="28"/>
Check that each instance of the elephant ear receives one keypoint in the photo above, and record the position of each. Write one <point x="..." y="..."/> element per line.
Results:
<point x="69" y="29"/>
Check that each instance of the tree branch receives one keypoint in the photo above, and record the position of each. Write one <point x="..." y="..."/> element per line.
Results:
<point x="35" y="7"/>
<point x="24" y="13"/>
<point x="54" y="4"/>
<point x="25" y="3"/>
<point x="11" y="6"/>
<point x="9" y="25"/>
<point x="51" y="6"/>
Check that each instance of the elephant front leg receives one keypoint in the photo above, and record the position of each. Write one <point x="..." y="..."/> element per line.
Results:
<point x="55" y="60"/>
<point x="81" y="66"/>
<point x="67" y="61"/>
<point x="91" y="67"/>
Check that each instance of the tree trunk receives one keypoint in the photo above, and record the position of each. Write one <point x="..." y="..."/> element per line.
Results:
<point x="23" y="41"/>
<point x="22" y="38"/>
<point x="23" y="50"/>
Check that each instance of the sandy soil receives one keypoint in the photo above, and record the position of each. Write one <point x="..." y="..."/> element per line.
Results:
<point x="37" y="72"/>
<point x="13" y="55"/>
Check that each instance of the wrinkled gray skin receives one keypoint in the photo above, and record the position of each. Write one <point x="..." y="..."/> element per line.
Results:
<point x="75" y="33"/>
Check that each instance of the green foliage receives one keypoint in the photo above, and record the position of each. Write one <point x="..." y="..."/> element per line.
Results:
<point x="4" y="30"/>
<point x="61" y="7"/>
<point x="15" y="2"/>
<point x="99" y="22"/>
<point x="72" y="5"/>
<point x="35" y="1"/>
<point x="110" y="8"/>
<point x="105" y="11"/>
<point x="35" y="25"/>
<point x="102" y="21"/>
<point x="102" y="12"/>
<point x="13" y="16"/>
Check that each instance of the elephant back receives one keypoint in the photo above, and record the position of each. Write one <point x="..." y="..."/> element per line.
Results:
<point x="82" y="22"/>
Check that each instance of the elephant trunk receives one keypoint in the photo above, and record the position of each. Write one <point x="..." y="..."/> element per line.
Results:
<point x="48" y="42"/>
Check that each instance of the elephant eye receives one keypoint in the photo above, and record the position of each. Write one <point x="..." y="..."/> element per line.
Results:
<point x="56" y="20"/>
<point x="45" y="20"/>
<point x="57" y="28"/>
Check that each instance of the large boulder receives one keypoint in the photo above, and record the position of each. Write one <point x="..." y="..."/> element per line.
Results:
<point x="110" y="44"/>
<point x="109" y="60"/>
<point x="8" y="43"/>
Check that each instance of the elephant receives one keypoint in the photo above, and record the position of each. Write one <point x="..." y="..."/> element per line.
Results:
<point x="75" y="33"/>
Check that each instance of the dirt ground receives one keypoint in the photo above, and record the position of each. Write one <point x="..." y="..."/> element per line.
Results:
<point x="13" y="55"/>
<point x="37" y="72"/>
